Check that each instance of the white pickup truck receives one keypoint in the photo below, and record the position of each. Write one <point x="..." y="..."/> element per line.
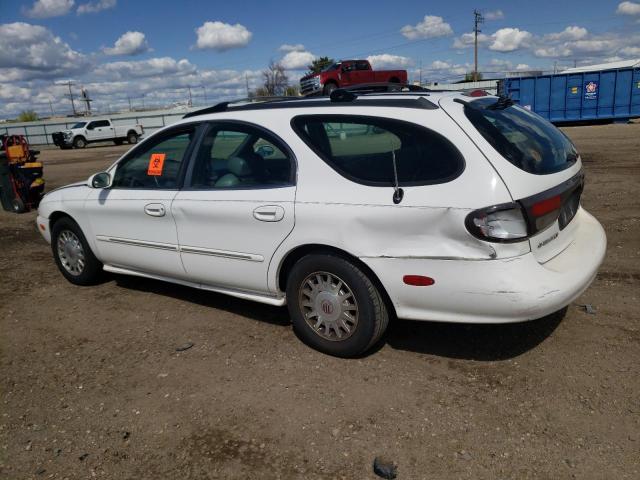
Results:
<point x="102" y="130"/>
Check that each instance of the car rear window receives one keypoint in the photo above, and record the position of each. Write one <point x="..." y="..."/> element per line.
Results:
<point x="524" y="138"/>
<point x="362" y="149"/>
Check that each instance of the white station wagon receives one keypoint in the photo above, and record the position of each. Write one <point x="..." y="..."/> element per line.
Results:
<point x="350" y="210"/>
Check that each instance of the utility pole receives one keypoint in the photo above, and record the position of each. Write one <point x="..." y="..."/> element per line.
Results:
<point x="420" y="83"/>
<point x="129" y="98"/>
<point x="51" y="107"/>
<point x="190" y="101"/>
<point x="555" y="67"/>
<point x="246" y="79"/>
<point x="477" y="20"/>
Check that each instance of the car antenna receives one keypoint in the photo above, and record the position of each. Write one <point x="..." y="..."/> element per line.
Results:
<point x="398" y="193"/>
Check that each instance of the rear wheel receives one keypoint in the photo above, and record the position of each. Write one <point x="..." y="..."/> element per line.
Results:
<point x="72" y="253"/>
<point x="79" y="142"/>
<point x="132" y="138"/>
<point x="334" y="306"/>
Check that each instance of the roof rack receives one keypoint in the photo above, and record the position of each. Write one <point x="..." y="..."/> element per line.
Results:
<point x="338" y="96"/>
<point x="223" y="106"/>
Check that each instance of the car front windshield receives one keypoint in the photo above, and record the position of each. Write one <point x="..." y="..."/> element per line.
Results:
<point x="79" y="125"/>
<point x="524" y="138"/>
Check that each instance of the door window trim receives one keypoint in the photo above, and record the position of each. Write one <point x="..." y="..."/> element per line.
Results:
<point x="159" y="137"/>
<point x="267" y="135"/>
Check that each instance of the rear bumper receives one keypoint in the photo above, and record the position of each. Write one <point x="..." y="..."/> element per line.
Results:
<point x="496" y="291"/>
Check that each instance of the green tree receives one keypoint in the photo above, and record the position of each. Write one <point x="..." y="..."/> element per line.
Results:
<point x="27" y="116"/>
<point x="469" y="77"/>
<point x="319" y="64"/>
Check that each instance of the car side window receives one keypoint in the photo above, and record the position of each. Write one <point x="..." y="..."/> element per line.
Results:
<point x="101" y="123"/>
<point x="363" y="149"/>
<point x="240" y="156"/>
<point x="155" y="164"/>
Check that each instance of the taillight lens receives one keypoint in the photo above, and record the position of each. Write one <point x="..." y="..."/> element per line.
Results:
<point x="501" y="223"/>
<point x="545" y="212"/>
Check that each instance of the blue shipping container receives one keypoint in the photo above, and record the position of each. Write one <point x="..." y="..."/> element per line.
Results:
<point x="572" y="97"/>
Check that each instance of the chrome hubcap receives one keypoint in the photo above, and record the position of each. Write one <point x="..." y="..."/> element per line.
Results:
<point x="70" y="252"/>
<point x="329" y="306"/>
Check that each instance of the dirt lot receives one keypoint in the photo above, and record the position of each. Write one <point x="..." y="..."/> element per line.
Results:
<point x="92" y="386"/>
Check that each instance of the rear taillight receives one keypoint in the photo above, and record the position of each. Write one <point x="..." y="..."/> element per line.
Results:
<point x="500" y="223"/>
<point x="513" y="222"/>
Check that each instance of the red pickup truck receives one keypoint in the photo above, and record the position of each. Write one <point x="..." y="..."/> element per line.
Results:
<point x="346" y="73"/>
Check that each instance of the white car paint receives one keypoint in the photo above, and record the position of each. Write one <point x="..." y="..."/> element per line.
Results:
<point x="215" y="240"/>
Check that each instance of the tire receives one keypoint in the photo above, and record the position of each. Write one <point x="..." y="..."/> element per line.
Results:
<point x="316" y="282"/>
<point x="118" y="141"/>
<point x="66" y="231"/>
<point x="79" y="142"/>
<point x="328" y="88"/>
<point x="132" y="138"/>
<point x="18" y="206"/>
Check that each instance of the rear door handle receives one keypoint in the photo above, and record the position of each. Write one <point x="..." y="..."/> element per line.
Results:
<point x="154" y="209"/>
<point x="269" y="213"/>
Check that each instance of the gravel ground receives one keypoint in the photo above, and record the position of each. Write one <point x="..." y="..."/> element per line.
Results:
<point x="91" y="384"/>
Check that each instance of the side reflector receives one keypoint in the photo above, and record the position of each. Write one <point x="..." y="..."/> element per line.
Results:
<point x="42" y="227"/>
<point x="418" y="280"/>
<point x="546" y="206"/>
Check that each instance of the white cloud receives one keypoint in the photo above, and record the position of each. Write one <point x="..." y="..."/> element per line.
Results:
<point x="631" y="51"/>
<point x="570" y="33"/>
<point x="431" y="26"/>
<point x="130" y="43"/>
<point x="297" y="60"/>
<point x="494" y="15"/>
<point x="466" y="40"/>
<point x="549" y="52"/>
<point x="628" y="8"/>
<point x="509" y="39"/>
<point x="386" y="60"/>
<point x="144" y="68"/>
<point x="94" y="7"/>
<point x="298" y="47"/>
<point x="31" y="51"/>
<point x="222" y="36"/>
<point x="49" y="8"/>
<point x="523" y="66"/>
<point x="440" y="65"/>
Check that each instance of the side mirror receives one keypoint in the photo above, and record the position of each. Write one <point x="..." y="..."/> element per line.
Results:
<point x="100" y="180"/>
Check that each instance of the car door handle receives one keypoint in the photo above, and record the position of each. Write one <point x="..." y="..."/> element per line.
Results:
<point x="154" y="209"/>
<point x="269" y="213"/>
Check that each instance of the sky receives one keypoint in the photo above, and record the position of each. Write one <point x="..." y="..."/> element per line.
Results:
<point x="150" y="51"/>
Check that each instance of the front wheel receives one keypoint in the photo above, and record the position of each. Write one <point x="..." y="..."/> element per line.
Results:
<point x="334" y="306"/>
<point x="79" y="142"/>
<point x="329" y="88"/>
<point x="73" y="255"/>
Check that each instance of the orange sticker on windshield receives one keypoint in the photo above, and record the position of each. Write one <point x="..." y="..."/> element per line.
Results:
<point x="156" y="162"/>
